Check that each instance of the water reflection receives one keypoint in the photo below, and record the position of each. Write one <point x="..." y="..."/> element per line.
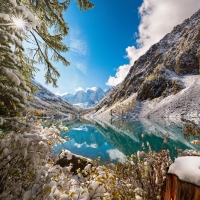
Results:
<point x="112" y="140"/>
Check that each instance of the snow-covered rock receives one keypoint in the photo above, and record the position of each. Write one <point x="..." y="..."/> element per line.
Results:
<point x="183" y="104"/>
<point x="68" y="159"/>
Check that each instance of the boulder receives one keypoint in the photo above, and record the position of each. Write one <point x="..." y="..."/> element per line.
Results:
<point x="66" y="159"/>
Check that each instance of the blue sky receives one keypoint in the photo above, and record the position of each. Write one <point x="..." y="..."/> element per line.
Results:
<point x="98" y="39"/>
<point x="105" y="41"/>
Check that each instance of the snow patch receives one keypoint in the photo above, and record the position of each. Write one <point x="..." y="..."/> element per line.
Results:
<point x="4" y="16"/>
<point x="187" y="169"/>
<point x="92" y="88"/>
<point x="185" y="103"/>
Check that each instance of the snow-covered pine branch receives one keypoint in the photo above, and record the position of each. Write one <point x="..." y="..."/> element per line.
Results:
<point x="14" y="75"/>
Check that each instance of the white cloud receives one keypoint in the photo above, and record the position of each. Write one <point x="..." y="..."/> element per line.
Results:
<point x="122" y="71"/>
<point x="77" y="43"/>
<point x="81" y="128"/>
<point x="82" y="67"/>
<point x="78" y="145"/>
<point x="94" y="146"/>
<point x="79" y="50"/>
<point x="158" y="17"/>
<point x="116" y="154"/>
<point x="79" y="89"/>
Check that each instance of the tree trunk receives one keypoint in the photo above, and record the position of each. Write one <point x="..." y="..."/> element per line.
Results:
<point x="180" y="190"/>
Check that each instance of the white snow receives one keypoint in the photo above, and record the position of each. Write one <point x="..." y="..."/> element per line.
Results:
<point x="186" y="102"/>
<point x="31" y="22"/>
<point x="4" y="16"/>
<point x="92" y="88"/>
<point x="26" y="16"/>
<point x="85" y="98"/>
<point x="187" y="169"/>
<point x="13" y="2"/>
<point x="82" y="105"/>
<point x="13" y="78"/>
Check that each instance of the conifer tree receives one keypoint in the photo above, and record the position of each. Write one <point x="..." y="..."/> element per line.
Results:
<point x="42" y="26"/>
<point x="14" y="74"/>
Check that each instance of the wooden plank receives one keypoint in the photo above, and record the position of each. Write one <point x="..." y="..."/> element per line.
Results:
<point x="180" y="190"/>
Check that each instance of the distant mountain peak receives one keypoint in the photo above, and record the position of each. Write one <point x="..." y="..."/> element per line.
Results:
<point x="85" y="98"/>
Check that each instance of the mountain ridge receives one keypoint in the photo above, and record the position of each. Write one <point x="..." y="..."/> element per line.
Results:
<point x="47" y="103"/>
<point x="149" y="79"/>
<point x="85" y="99"/>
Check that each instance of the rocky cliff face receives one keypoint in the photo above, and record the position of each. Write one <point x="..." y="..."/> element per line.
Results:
<point x="150" y="76"/>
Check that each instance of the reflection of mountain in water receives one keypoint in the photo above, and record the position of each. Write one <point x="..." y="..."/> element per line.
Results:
<point x="85" y="133"/>
<point x="154" y="134"/>
<point x="118" y="138"/>
<point x="126" y="135"/>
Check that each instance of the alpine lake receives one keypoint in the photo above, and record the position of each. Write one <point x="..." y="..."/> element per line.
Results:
<point x="113" y="140"/>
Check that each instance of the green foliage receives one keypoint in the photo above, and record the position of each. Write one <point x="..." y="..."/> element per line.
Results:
<point x="84" y="4"/>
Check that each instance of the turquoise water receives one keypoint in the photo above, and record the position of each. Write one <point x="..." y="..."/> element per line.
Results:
<point x="112" y="140"/>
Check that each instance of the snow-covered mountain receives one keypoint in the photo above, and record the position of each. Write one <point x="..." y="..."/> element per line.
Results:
<point x="164" y="82"/>
<point x="49" y="104"/>
<point x="85" y="99"/>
